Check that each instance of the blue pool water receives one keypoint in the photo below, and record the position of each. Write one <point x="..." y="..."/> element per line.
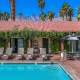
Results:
<point x="32" y="72"/>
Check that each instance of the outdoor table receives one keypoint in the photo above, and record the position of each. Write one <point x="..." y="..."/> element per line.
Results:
<point x="72" y="53"/>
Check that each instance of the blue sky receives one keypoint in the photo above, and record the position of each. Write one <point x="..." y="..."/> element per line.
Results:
<point x="28" y="7"/>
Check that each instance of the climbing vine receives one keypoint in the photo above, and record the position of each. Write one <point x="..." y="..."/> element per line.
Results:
<point x="3" y="43"/>
<point x="55" y="44"/>
<point x="66" y="45"/>
<point x="30" y="33"/>
<point x="25" y="45"/>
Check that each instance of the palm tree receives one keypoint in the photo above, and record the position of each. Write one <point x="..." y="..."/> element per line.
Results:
<point x="43" y="16"/>
<point x="50" y="15"/>
<point x="5" y="16"/>
<point x="61" y="14"/>
<point x="70" y="13"/>
<point x="0" y="15"/>
<point x="78" y="13"/>
<point x="41" y="5"/>
<point x="20" y="15"/>
<point x="64" y="8"/>
<point x="12" y="9"/>
<point x="78" y="9"/>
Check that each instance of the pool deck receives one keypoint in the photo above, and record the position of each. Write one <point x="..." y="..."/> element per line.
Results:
<point x="72" y="67"/>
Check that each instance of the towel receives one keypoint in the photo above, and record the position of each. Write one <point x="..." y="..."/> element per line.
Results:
<point x="5" y="55"/>
<point x="29" y="55"/>
<point x="43" y="55"/>
<point x="18" y="55"/>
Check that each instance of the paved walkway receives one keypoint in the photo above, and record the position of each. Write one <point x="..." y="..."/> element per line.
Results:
<point x="73" y="65"/>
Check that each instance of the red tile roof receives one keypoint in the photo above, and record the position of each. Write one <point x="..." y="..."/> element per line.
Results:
<point x="61" y="26"/>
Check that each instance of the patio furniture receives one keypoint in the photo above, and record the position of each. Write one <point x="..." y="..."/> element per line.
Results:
<point x="43" y="54"/>
<point x="71" y="37"/>
<point x="8" y="53"/>
<point x="65" y="54"/>
<point x="79" y="54"/>
<point x="1" y="51"/>
<point x="72" y="54"/>
<point x="20" y="53"/>
<point x="29" y="54"/>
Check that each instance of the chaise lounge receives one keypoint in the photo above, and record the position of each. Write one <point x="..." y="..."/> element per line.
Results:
<point x="1" y="51"/>
<point x="20" y="53"/>
<point x="8" y="53"/>
<point x="29" y="53"/>
<point x="43" y="54"/>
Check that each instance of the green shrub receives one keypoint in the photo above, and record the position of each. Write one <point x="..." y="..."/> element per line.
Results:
<point x="66" y="45"/>
<point x="3" y="43"/>
<point x="55" y="45"/>
<point x="25" y="45"/>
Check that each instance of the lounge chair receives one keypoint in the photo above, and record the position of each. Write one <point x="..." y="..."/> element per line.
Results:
<point x="43" y="54"/>
<point x="8" y="53"/>
<point x="29" y="53"/>
<point x="20" y="53"/>
<point x="1" y="51"/>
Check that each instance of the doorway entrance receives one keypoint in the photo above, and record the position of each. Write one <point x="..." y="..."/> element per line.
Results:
<point x="16" y="43"/>
<point x="45" y="44"/>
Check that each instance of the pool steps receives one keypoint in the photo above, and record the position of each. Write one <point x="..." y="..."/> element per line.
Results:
<point x="35" y="63"/>
<point x="1" y="63"/>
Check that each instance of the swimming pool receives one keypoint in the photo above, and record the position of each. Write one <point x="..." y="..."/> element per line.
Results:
<point x="32" y="72"/>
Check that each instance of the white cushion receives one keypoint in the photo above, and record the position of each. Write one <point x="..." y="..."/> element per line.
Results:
<point x="5" y="55"/>
<point x="43" y="55"/>
<point x="18" y="55"/>
<point x="29" y="55"/>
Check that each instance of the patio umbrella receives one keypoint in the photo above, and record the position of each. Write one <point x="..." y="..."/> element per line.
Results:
<point x="71" y="37"/>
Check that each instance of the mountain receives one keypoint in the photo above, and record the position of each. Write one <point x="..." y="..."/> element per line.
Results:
<point x="60" y="19"/>
<point x="22" y="19"/>
<point x="35" y="17"/>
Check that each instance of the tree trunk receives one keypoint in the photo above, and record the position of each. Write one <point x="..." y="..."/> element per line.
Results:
<point x="41" y="14"/>
<point x="50" y="19"/>
<point x="63" y="18"/>
<point x="70" y="17"/>
<point x="13" y="10"/>
<point x="66" y="16"/>
<point x="20" y="17"/>
<point x="10" y="10"/>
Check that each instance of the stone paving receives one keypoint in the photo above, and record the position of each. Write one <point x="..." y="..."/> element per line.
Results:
<point x="73" y="65"/>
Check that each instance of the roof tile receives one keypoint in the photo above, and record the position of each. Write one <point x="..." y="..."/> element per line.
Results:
<point x="61" y="26"/>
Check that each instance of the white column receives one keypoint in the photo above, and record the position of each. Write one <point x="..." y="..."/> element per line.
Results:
<point x="9" y="44"/>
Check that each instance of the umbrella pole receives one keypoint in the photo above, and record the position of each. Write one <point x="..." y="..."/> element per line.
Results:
<point x="72" y="49"/>
<point x="72" y="45"/>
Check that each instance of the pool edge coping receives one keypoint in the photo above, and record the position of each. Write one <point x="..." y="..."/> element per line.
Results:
<point x="68" y="71"/>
